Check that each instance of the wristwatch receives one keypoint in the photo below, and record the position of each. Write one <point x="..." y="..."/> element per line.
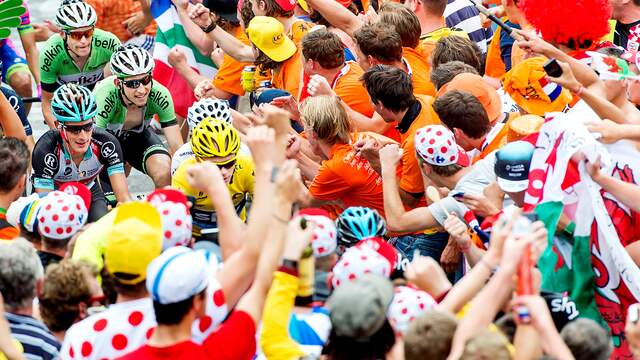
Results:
<point x="210" y="28"/>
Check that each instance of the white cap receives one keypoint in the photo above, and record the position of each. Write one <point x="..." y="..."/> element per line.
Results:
<point x="15" y="209"/>
<point x="178" y="274"/>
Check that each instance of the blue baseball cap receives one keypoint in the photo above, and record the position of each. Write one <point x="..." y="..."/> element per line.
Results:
<point x="512" y="166"/>
<point x="267" y="96"/>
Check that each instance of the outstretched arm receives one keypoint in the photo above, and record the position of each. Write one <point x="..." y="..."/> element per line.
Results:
<point x="233" y="47"/>
<point x="337" y="15"/>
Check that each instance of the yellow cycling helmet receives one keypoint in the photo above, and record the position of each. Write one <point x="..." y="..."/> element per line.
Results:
<point x="214" y="138"/>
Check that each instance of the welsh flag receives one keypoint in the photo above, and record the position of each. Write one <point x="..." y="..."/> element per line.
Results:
<point x="591" y="264"/>
<point x="171" y="34"/>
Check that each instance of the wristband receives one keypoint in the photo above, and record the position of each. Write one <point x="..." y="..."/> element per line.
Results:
<point x="442" y="296"/>
<point x="210" y="28"/>
<point x="289" y="266"/>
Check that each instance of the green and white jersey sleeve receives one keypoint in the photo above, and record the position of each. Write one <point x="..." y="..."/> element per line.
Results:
<point x="57" y="67"/>
<point x="112" y="112"/>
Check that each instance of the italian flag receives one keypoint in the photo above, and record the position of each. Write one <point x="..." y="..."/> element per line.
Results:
<point x="171" y="34"/>
<point x="588" y="260"/>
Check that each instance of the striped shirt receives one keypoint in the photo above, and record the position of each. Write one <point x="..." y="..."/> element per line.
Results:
<point x="38" y="342"/>
<point x="463" y="15"/>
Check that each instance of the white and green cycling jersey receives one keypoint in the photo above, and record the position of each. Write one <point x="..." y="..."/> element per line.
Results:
<point x="57" y="67"/>
<point x="112" y="111"/>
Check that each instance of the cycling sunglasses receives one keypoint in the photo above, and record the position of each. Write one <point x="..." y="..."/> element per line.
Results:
<point x="77" y="129"/>
<point x="228" y="165"/>
<point x="134" y="84"/>
<point x="78" y="35"/>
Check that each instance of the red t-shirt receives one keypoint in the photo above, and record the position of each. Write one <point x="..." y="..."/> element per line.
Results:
<point x="235" y="339"/>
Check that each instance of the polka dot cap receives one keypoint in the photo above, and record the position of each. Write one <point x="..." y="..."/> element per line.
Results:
<point x="176" y="221"/>
<point x="324" y="240"/>
<point x="61" y="215"/>
<point x="408" y="303"/>
<point x="358" y="261"/>
<point x="436" y="145"/>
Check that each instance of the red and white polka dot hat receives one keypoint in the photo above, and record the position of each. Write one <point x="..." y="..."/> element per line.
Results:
<point x="408" y="303"/>
<point x="436" y="145"/>
<point x="358" y="261"/>
<point x="61" y="215"/>
<point x="324" y="241"/>
<point x="174" y="212"/>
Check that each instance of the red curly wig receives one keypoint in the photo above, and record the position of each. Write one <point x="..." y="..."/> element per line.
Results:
<point x="568" y="22"/>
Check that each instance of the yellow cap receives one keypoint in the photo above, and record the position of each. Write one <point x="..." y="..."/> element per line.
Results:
<point x="267" y="34"/>
<point x="134" y="241"/>
<point x="303" y="4"/>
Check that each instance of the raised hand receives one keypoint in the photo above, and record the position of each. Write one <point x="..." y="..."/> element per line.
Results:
<point x="458" y="231"/>
<point x="10" y="12"/>
<point x="318" y="85"/>
<point x="201" y="16"/>
<point x="289" y="186"/>
<point x="426" y="274"/>
<point x="206" y="177"/>
<point x="262" y="143"/>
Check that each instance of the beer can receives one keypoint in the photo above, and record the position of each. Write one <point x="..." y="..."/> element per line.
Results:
<point x="247" y="78"/>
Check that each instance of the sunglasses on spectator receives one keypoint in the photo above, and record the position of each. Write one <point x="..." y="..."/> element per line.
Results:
<point x="78" y="35"/>
<point x="77" y="129"/>
<point x="134" y="84"/>
<point x="228" y="165"/>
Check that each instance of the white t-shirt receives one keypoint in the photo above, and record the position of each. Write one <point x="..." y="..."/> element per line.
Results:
<point x="473" y="182"/>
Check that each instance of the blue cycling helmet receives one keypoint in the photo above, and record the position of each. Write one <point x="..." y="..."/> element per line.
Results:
<point x="358" y="223"/>
<point x="73" y="103"/>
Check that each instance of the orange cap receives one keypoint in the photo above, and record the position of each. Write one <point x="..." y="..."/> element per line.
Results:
<point x="475" y="85"/>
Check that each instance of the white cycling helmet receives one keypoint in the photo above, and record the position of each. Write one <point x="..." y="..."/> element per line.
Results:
<point x="75" y="14"/>
<point x="204" y="108"/>
<point x="131" y="60"/>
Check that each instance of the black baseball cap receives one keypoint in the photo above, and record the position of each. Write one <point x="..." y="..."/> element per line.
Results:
<point x="226" y="9"/>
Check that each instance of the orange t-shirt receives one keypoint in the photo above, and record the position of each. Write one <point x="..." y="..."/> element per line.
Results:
<point x="494" y="65"/>
<point x="111" y="14"/>
<point x="348" y="178"/>
<point x="289" y="75"/>
<point x="411" y="178"/>
<point x="350" y="89"/>
<point x="419" y="69"/>
<point x="228" y="76"/>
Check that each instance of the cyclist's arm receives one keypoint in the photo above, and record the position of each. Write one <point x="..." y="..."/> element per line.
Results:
<point x="120" y="187"/>
<point x="43" y="164"/>
<point x="11" y="124"/>
<point x="174" y="138"/>
<point x="113" y="160"/>
<point x="49" y="119"/>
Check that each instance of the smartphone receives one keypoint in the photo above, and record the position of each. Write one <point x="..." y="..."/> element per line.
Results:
<point x="552" y="68"/>
<point x="458" y="195"/>
<point x="522" y="226"/>
<point x="633" y="313"/>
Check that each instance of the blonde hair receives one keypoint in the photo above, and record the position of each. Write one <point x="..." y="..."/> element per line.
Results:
<point x="328" y="119"/>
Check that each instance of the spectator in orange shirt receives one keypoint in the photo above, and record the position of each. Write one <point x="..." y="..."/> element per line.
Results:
<point x="276" y="52"/>
<point x="407" y="26"/>
<point x="457" y="48"/>
<point x="381" y="44"/>
<point x="129" y="20"/>
<point x="392" y="95"/>
<point x="342" y="176"/>
<point x="323" y="55"/>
